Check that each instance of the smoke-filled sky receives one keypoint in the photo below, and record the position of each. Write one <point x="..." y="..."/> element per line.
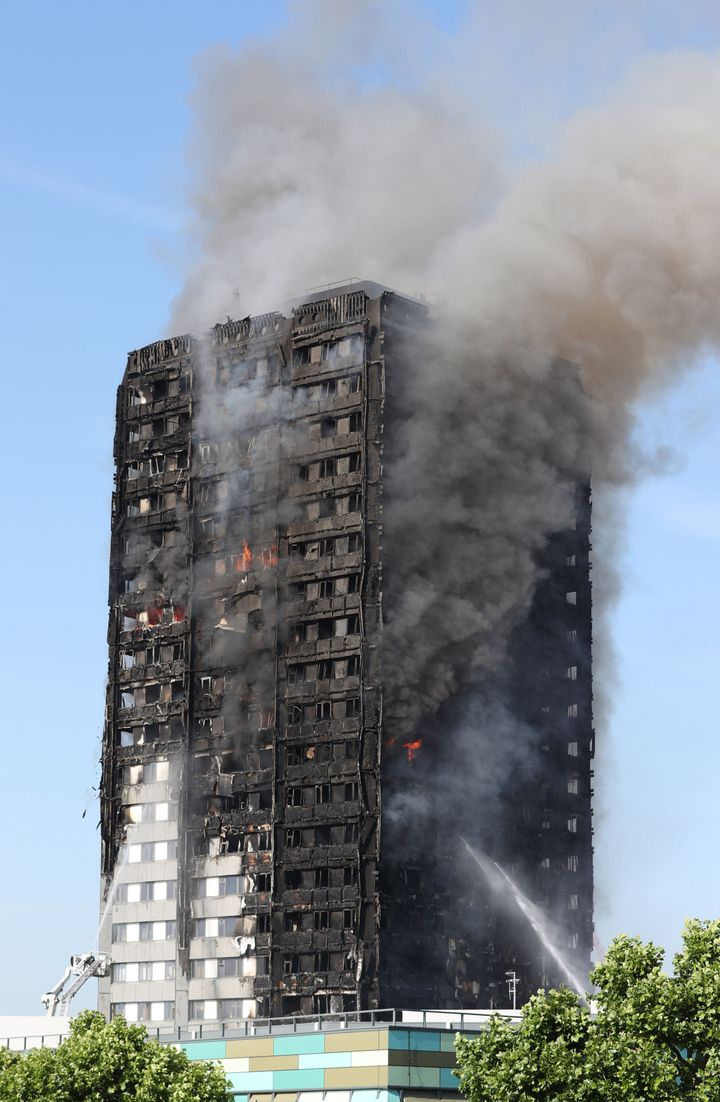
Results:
<point x="552" y="166"/>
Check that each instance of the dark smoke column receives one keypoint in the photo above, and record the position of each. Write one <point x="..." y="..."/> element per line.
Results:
<point x="278" y="836"/>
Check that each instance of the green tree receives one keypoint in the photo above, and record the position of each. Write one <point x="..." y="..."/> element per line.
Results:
<point x="115" y="1062"/>
<point x="650" y="1037"/>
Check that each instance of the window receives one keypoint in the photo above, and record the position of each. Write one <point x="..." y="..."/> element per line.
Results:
<point x="348" y="918"/>
<point x="572" y="749"/>
<point x="571" y="635"/>
<point x="352" y="707"/>
<point x="572" y="711"/>
<point x="325" y="629"/>
<point x="293" y="879"/>
<point x="570" y="560"/>
<point x="572" y="824"/>
<point x="225" y="926"/>
<point x="572" y="786"/>
<point x="143" y="971"/>
<point x="323" y="709"/>
<point x="295" y="674"/>
<point x="572" y="863"/>
<point x="211" y="886"/>
<point x="144" y="1011"/>
<point x="143" y="931"/>
<point x="325" y="670"/>
<point x="148" y="813"/>
<point x="293" y="838"/>
<point x="327" y="587"/>
<point x="573" y="940"/>
<point x="571" y="597"/>
<point x="572" y="673"/>
<point x="322" y="961"/>
<point x="572" y="902"/>
<point x="326" y="546"/>
<point x="149" y="890"/>
<point x="321" y="878"/>
<point x="152" y="851"/>
<point x="295" y="714"/>
<point x="354" y="502"/>
<point x="323" y="794"/>
<point x="353" y="666"/>
<point x="353" y="625"/>
<point x="294" y="797"/>
<point x="291" y="964"/>
<point x="327" y="468"/>
<point x="321" y="920"/>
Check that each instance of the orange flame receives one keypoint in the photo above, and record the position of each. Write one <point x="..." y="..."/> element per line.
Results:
<point x="412" y="748"/>
<point x="247" y="556"/>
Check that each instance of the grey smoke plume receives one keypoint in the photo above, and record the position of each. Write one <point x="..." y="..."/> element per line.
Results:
<point x="315" y="165"/>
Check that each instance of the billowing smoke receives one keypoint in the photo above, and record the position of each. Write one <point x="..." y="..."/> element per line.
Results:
<point x="318" y="165"/>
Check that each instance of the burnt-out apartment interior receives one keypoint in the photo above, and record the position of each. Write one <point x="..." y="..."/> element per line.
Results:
<point x="270" y="848"/>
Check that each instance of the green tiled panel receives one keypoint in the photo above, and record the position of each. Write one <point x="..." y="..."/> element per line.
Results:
<point x="241" y="1098"/>
<point x="432" y="1059"/>
<point x="309" y="1080"/>
<point x="424" y="1078"/>
<point x="448" y="1080"/>
<point x="416" y="1040"/>
<point x="206" y="1050"/>
<point x="379" y="1095"/>
<point x="325" y="1060"/>
<point x="424" y="1040"/>
<point x="416" y="1059"/>
<point x="294" y="1045"/>
<point x="427" y="1078"/>
<point x="447" y="1042"/>
<point x="254" y="1080"/>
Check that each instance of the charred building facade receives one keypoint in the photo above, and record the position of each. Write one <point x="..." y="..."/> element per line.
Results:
<point x="249" y="866"/>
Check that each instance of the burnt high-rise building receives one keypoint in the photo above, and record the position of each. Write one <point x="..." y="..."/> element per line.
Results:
<point x="271" y="845"/>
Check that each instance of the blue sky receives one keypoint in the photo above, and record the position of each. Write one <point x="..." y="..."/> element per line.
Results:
<point x="93" y="180"/>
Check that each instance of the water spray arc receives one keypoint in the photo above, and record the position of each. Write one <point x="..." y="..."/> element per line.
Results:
<point x="500" y="882"/>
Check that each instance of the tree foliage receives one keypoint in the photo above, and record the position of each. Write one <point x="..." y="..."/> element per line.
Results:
<point x="650" y="1038"/>
<point x="115" y="1062"/>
